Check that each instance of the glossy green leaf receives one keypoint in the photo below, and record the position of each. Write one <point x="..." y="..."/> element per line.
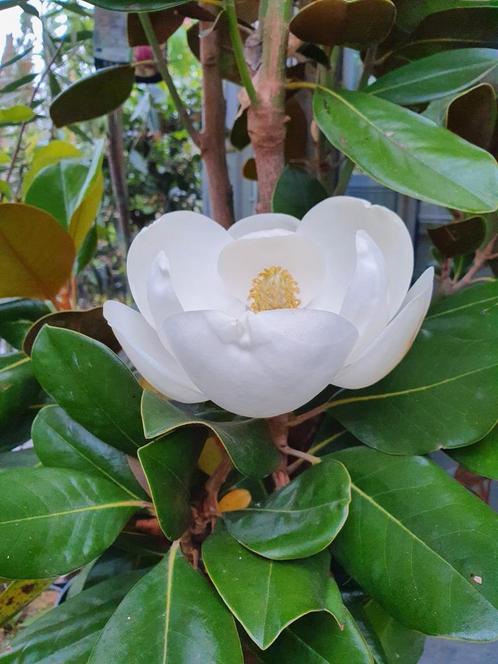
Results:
<point x="481" y="458"/>
<point x="93" y="96"/>
<point x="89" y="322"/>
<point x="299" y="519"/>
<point x="460" y="237"/>
<point x="80" y="515"/>
<point x="92" y="385"/>
<point x="171" y="615"/>
<point x="16" y="115"/>
<point x="296" y="192"/>
<point x="317" y="639"/>
<point x="60" y="442"/>
<point x="69" y="632"/>
<point x="18" y="594"/>
<point x="266" y="595"/>
<point x="18" y="389"/>
<point x="406" y="152"/>
<point x="46" y="155"/>
<point x="169" y="465"/>
<point x="18" y="430"/>
<point x="444" y="393"/>
<point x="25" y="458"/>
<point x="137" y="5"/>
<point x="56" y="189"/>
<point x="436" y="76"/>
<point x="410" y="13"/>
<point x="421" y="545"/>
<point x="17" y="316"/>
<point x="247" y="442"/>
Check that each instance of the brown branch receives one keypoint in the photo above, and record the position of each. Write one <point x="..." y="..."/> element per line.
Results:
<point x="267" y="118"/>
<point x="212" y="138"/>
<point x="117" y="170"/>
<point x="480" y="260"/>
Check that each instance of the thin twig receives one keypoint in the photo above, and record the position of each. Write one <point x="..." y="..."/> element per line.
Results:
<point x="167" y="78"/>
<point x="480" y="260"/>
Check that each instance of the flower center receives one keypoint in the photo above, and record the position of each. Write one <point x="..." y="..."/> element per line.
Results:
<point x="273" y="288"/>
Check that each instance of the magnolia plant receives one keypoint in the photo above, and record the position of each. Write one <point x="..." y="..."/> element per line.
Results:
<point x="239" y="465"/>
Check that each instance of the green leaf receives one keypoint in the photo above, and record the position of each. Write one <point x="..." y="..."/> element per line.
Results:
<point x="18" y="83"/>
<point x="89" y="322"/>
<point x="60" y="442"/>
<point x="92" y="385"/>
<point x="93" y="96"/>
<point x="17" y="57"/>
<point x="57" y="188"/>
<point x="266" y="595"/>
<point x="17" y="316"/>
<point x="472" y="115"/>
<point x="36" y="254"/>
<point x="171" y="615"/>
<point x="54" y="520"/>
<point x="18" y="389"/>
<point x="410" y="13"/>
<point x="18" y="430"/>
<point x="137" y="5"/>
<point x="46" y="155"/>
<point x="87" y="250"/>
<point x="460" y="237"/>
<point x="436" y="75"/>
<point x="406" y="152"/>
<point x="18" y="459"/>
<point x="296" y="192"/>
<point x="299" y="519"/>
<point x="317" y="638"/>
<point x="169" y="465"/>
<point x="421" y="545"/>
<point x="69" y="632"/>
<point x="444" y="393"/>
<point x="16" y="114"/>
<point x="247" y="442"/>
<point x="481" y="458"/>
<point x="18" y="594"/>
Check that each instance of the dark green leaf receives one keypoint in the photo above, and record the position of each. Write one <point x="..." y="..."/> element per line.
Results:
<point x="436" y="76"/>
<point x="299" y="519"/>
<point x="247" y="442"/>
<point x="90" y="322"/>
<point x="444" y="393"/>
<point x="69" y="632"/>
<point x="87" y="250"/>
<point x="137" y="5"/>
<point x="459" y="238"/>
<point x="317" y="639"/>
<point x="410" y="13"/>
<point x="92" y="385"/>
<point x="18" y="459"/>
<point x="169" y="465"/>
<point x="421" y="545"/>
<point x="406" y="152"/>
<point x="18" y="389"/>
<point x="54" y="520"/>
<point x="17" y="316"/>
<point x="24" y="80"/>
<point x="171" y="615"/>
<point x="93" y="96"/>
<point x="266" y="595"/>
<point x="17" y="57"/>
<point x="60" y="442"/>
<point x="296" y="192"/>
<point x="472" y="115"/>
<point x="481" y="458"/>
<point x="57" y="189"/>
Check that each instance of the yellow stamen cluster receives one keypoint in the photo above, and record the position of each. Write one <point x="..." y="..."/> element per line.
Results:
<point x="273" y="288"/>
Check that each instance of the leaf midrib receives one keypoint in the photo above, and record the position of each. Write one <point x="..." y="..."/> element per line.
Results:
<point x="421" y="542"/>
<point x="76" y="510"/>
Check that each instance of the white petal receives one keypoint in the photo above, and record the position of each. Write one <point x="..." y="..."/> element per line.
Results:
<point x="192" y="243"/>
<point x="333" y="223"/>
<point x="263" y="222"/>
<point x="152" y="360"/>
<point x="241" y="261"/>
<point x="392" y="345"/>
<point x="160" y="294"/>
<point x="264" y="364"/>
<point x="366" y="301"/>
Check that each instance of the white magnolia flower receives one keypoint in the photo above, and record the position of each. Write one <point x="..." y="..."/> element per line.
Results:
<point x="262" y="317"/>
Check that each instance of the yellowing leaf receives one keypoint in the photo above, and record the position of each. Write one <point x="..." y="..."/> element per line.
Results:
<point x="82" y="220"/>
<point x="36" y="253"/>
<point x="16" y="114"/>
<point x="17" y="594"/>
<point x="211" y="456"/>
<point x="46" y="155"/>
<point x="238" y="499"/>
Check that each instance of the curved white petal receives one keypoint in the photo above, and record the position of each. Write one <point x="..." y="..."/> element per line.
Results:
<point x="152" y="360"/>
<point x="393" y="343"/>
<point x="192" y="243"/>
<point x="264" y="364"/>
<point x="241" y="261"/>
<point x="366" y="301"/>
<point x="160" y="294"/>
<point x="263" y="222"/>
<point x="333" y="224"/>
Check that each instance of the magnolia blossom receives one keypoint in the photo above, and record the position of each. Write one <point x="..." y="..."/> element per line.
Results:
<point x="260" y="318"/>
